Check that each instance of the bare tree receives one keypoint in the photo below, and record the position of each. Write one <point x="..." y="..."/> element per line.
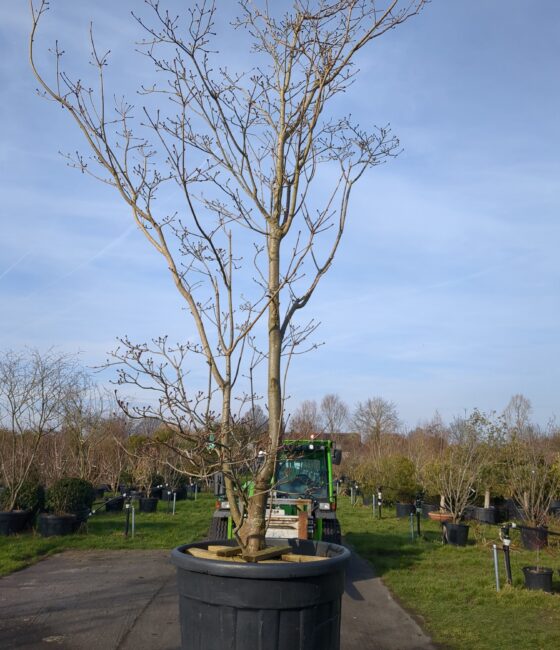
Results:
<point x="35" y="390"/>
<point x="374" y="418"/>
<point x="517" y="416"/>
<point x="237" y="154"/>
<point x="306" y="420"/>
<point x="334" y="413"/>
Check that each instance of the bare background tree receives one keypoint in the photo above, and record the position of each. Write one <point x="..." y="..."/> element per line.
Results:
<point x="237" y="154"/>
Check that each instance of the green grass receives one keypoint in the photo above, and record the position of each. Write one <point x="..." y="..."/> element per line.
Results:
<point x="452" y="590"/>
<point x="106" y="531"/>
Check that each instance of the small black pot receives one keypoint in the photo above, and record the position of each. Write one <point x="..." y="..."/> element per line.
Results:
<point x="155" y="492"/>
<point x="114" y="505"/>
<point x="538" y="578"/>
<point x="404" y="510"/>
<point x="456" y="534"/>
<point x="534" y="538"/>
<point x="14" y="521"/>
<point x="148" y="504"/>
<point x="50" y="525"/>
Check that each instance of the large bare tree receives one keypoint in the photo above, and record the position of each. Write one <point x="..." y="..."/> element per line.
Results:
<point x="236" y="154"/>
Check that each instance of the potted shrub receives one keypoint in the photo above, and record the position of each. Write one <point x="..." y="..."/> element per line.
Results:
<point x="455" y="475"/>
<point x="534" y="480"/>
<point x="16" y="514"/>
<point x="246" y="250"/>
<point x="68" y="505"/>
<point x="400" y="483"/>
<point x="34" y="393"/>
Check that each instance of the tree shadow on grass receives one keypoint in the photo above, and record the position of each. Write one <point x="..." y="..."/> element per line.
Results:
<point x="386" y="551"/>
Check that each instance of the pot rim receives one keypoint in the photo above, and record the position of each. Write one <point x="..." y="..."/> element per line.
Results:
<point x="260" y="571"/>
<point x="537" y="570"/>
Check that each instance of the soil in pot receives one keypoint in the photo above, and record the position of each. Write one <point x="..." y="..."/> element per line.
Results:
<point x="405" y="509"/>
<point x="534" y="538"/>
<point x="456" y="534"/>
<point x="51" y="525"/>
<point x="239" y="605"/>
<point x="538" y="578"/>
<point x="148" y="504"/>
<point x="14" y="521"/>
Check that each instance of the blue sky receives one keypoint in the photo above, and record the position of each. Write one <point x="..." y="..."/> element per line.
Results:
<point x="445" y="294"/>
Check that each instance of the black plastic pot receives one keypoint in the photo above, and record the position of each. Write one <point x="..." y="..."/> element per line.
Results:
<point x="534" y="538"/>
<point x="278" y="605"/>
<point x="155" y="493"/>
<point x="538" y="578"/>
<point x="148" y="504"/>
<point x="14" y="521"/>
<point x="167" y="494"/>
<point x="486" y="515"/>
<point x="50" y="525"/>
<point x="456" y="534"/>
<point x="428" y="507"/>
<point x="114" y="505"/>
<point x="404" y="509"/>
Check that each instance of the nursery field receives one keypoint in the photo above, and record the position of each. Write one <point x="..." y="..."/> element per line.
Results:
<point x="452" y="590"/>
<point x="105" y="530"/>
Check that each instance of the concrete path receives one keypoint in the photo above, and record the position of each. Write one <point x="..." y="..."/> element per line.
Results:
<point x="127" y="600"/>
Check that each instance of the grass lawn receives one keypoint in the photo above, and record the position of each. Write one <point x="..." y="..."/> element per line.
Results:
<point x="106" y="531"/>
<point x="452" y="590"/>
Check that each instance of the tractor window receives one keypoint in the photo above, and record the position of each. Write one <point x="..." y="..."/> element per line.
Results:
<point x="302" y="474"/>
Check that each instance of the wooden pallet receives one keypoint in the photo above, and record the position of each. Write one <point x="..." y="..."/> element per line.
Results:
<point x="271" y="554"/>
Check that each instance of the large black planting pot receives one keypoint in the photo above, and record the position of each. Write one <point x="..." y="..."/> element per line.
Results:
<point x="538" y="578"/>
<point x="277" y="606"/>
<point x="14" y="521"/>
<point x="115" y="504"/>
<point x="456" y="534"/>
<point x="51" y="525"/>
<point x="148" y="504"/>
<point x="404" y="509"/>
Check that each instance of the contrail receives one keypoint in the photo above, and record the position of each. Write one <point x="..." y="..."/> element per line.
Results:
<point x="13" y="266"/>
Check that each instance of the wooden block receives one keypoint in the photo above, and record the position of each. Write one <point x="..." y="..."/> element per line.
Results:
<point x="208" y="555"/>
<point x="302" y="524"/>
<point x="267" y="553"/>
<point x="225" y="551"/>
<point x="293" y="557"/>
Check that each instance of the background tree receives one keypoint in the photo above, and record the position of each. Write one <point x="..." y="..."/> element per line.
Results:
<point x="35" y="391"/>
<point x="306" y="420"/>
<point x="237" y="154"/>
<point x="334" y="413"/>
<point x="517" y="416"/>
<point x="375" y="417"/>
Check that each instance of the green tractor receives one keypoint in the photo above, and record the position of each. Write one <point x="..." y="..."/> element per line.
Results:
<point x="302" y="502"/>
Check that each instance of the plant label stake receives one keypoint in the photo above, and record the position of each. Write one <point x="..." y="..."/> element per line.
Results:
<point x="127" y="519"/>
<point x="412" y="526"/>
<point x="174" y="501"/>
<point x="374" y="504"/>
<point x="133" y="522"/>
<point x="168" y="500"/>
<point x="496" y="572"/>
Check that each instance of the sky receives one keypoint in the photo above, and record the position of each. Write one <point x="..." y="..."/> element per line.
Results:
<point x="444" y="295"/>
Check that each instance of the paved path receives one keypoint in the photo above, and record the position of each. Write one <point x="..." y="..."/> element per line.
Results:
<point x="127" y="600"/>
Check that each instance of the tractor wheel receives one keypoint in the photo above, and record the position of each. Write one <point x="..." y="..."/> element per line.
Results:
<point x="331" y="531"/>
<point x="218" y="528"/>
